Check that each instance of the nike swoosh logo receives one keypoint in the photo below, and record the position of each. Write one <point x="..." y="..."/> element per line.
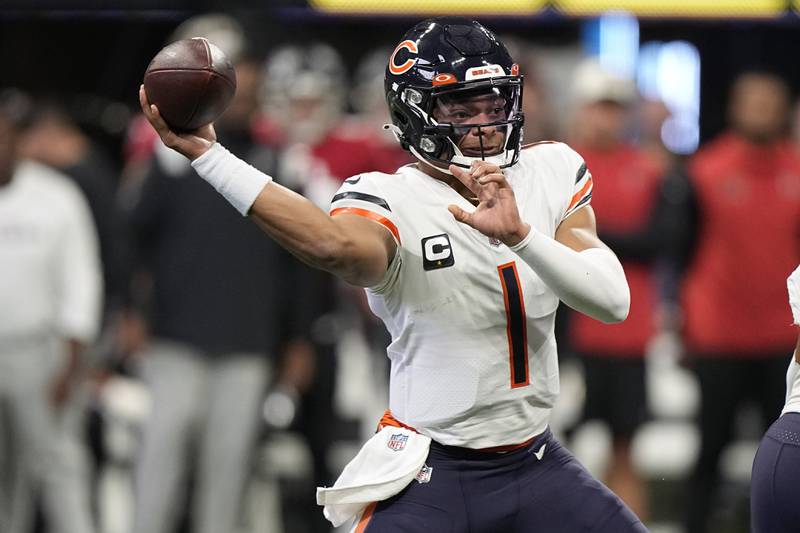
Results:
<point x="353" y="181"/>
<point x="540" y="453"/>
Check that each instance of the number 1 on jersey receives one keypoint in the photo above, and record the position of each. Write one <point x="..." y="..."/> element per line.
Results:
<point x="516" y="328"/>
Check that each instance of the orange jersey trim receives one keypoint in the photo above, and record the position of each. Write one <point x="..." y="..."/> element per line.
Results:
<point x="578" y="195"/>
<point x="510" y="447"/>
<point x="366" y="518"/>
<point x="388" y="419"/>
<point x="370" y="215"/>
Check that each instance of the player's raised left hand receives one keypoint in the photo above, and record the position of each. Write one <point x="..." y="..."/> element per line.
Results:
<point x="497" y="214"/>
<point x="192" y="144"/>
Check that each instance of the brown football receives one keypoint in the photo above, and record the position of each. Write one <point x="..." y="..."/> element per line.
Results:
<point x="191" y="82"/>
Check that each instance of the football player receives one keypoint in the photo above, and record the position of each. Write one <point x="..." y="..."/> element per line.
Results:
<point x="464" y="256"/>
<point x="773" y="486"/>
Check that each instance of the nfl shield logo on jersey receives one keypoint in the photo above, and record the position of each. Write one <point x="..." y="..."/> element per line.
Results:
<point x="397" y="442"/>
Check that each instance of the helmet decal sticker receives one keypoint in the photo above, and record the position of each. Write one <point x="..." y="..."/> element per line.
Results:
<point x="444" y="79"/>
<point x="396" y="69"/>
<point x="486" y="71"/>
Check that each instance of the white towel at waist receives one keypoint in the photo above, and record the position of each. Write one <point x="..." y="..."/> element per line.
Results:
<point x="383" y="467"/>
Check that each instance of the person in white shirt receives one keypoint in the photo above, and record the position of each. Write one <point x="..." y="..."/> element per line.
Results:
<point x="50" y="298"/>
<point x="465" y="256"/>
<point x="774" y="504"/>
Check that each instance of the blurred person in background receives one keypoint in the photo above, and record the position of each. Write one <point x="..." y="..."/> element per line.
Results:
<point x="215" y="325"/>
<point x="305" y="93"/>
<point x="370" y="114"/>
<point x="51" y="296"/>
<point x="628" y="183"/>
<point x="650" y="118"/>
<point x="743" y="203"/>
<point x="773" y="487"/>
<point x="54" y="139"/>
<point x="539" y="123"/>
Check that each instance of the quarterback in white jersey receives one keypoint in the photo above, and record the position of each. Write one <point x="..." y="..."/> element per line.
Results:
<point x="465" y="256"/>
<point x="473" y="352"/>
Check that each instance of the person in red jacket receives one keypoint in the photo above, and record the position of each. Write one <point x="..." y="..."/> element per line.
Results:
<point x="627" y="188"/>
<point x="745" y="197"/>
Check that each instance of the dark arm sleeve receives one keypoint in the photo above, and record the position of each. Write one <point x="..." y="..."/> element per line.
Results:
<point x="314" y="299"/>
<point x="678" y="225"/>
<point x="670" y="230"/>
<point x="140" y="206"/>
<point x="679" y="221"/>
<point x="640" y="246"/>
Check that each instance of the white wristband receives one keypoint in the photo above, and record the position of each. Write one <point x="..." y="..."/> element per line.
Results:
<point x="234" y="179"/>
<point x="591" y="281"/>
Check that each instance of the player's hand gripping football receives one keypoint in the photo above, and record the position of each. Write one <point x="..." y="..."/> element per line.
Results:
<point x="192" y="144"/>
<point x="497" y="215"/>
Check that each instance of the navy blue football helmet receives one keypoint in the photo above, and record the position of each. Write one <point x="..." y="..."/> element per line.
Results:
<point x="439" y="63"/>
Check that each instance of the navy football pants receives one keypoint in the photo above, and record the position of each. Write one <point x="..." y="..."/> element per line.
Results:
<point x="515" y="492"/>
<point x="775" y="484"/>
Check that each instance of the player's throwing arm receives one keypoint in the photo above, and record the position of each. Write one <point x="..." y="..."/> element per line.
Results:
<point x="352" y="247"/>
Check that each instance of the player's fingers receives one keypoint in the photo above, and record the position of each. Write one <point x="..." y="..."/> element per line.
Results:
<point x="147" y="107"/>
<point x="488" y="193"/>
<point x="465" y="177"/>
<point x="169" y="137"/>
<point x="143" y="102"/>
<point x="161" y="124"/>
<point x="460" y="215"/>
<point x="496" y="178"/>
<point x="482" y="168"/>
<point x="153" y="115"/>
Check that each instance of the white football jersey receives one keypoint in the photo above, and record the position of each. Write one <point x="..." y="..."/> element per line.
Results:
<point x="473" y="352"/>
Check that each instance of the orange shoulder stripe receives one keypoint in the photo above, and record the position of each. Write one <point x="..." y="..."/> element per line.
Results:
<point x="578" y="195"/>
<point x="370" y="215"/>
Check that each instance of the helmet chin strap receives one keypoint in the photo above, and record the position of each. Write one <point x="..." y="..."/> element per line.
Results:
<point x="462" y="160"/>
<point x="498" y="160"/>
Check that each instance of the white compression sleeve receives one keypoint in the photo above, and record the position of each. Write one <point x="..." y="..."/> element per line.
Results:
<point x="591" y="281"/>
<point x="234" y="179"/>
